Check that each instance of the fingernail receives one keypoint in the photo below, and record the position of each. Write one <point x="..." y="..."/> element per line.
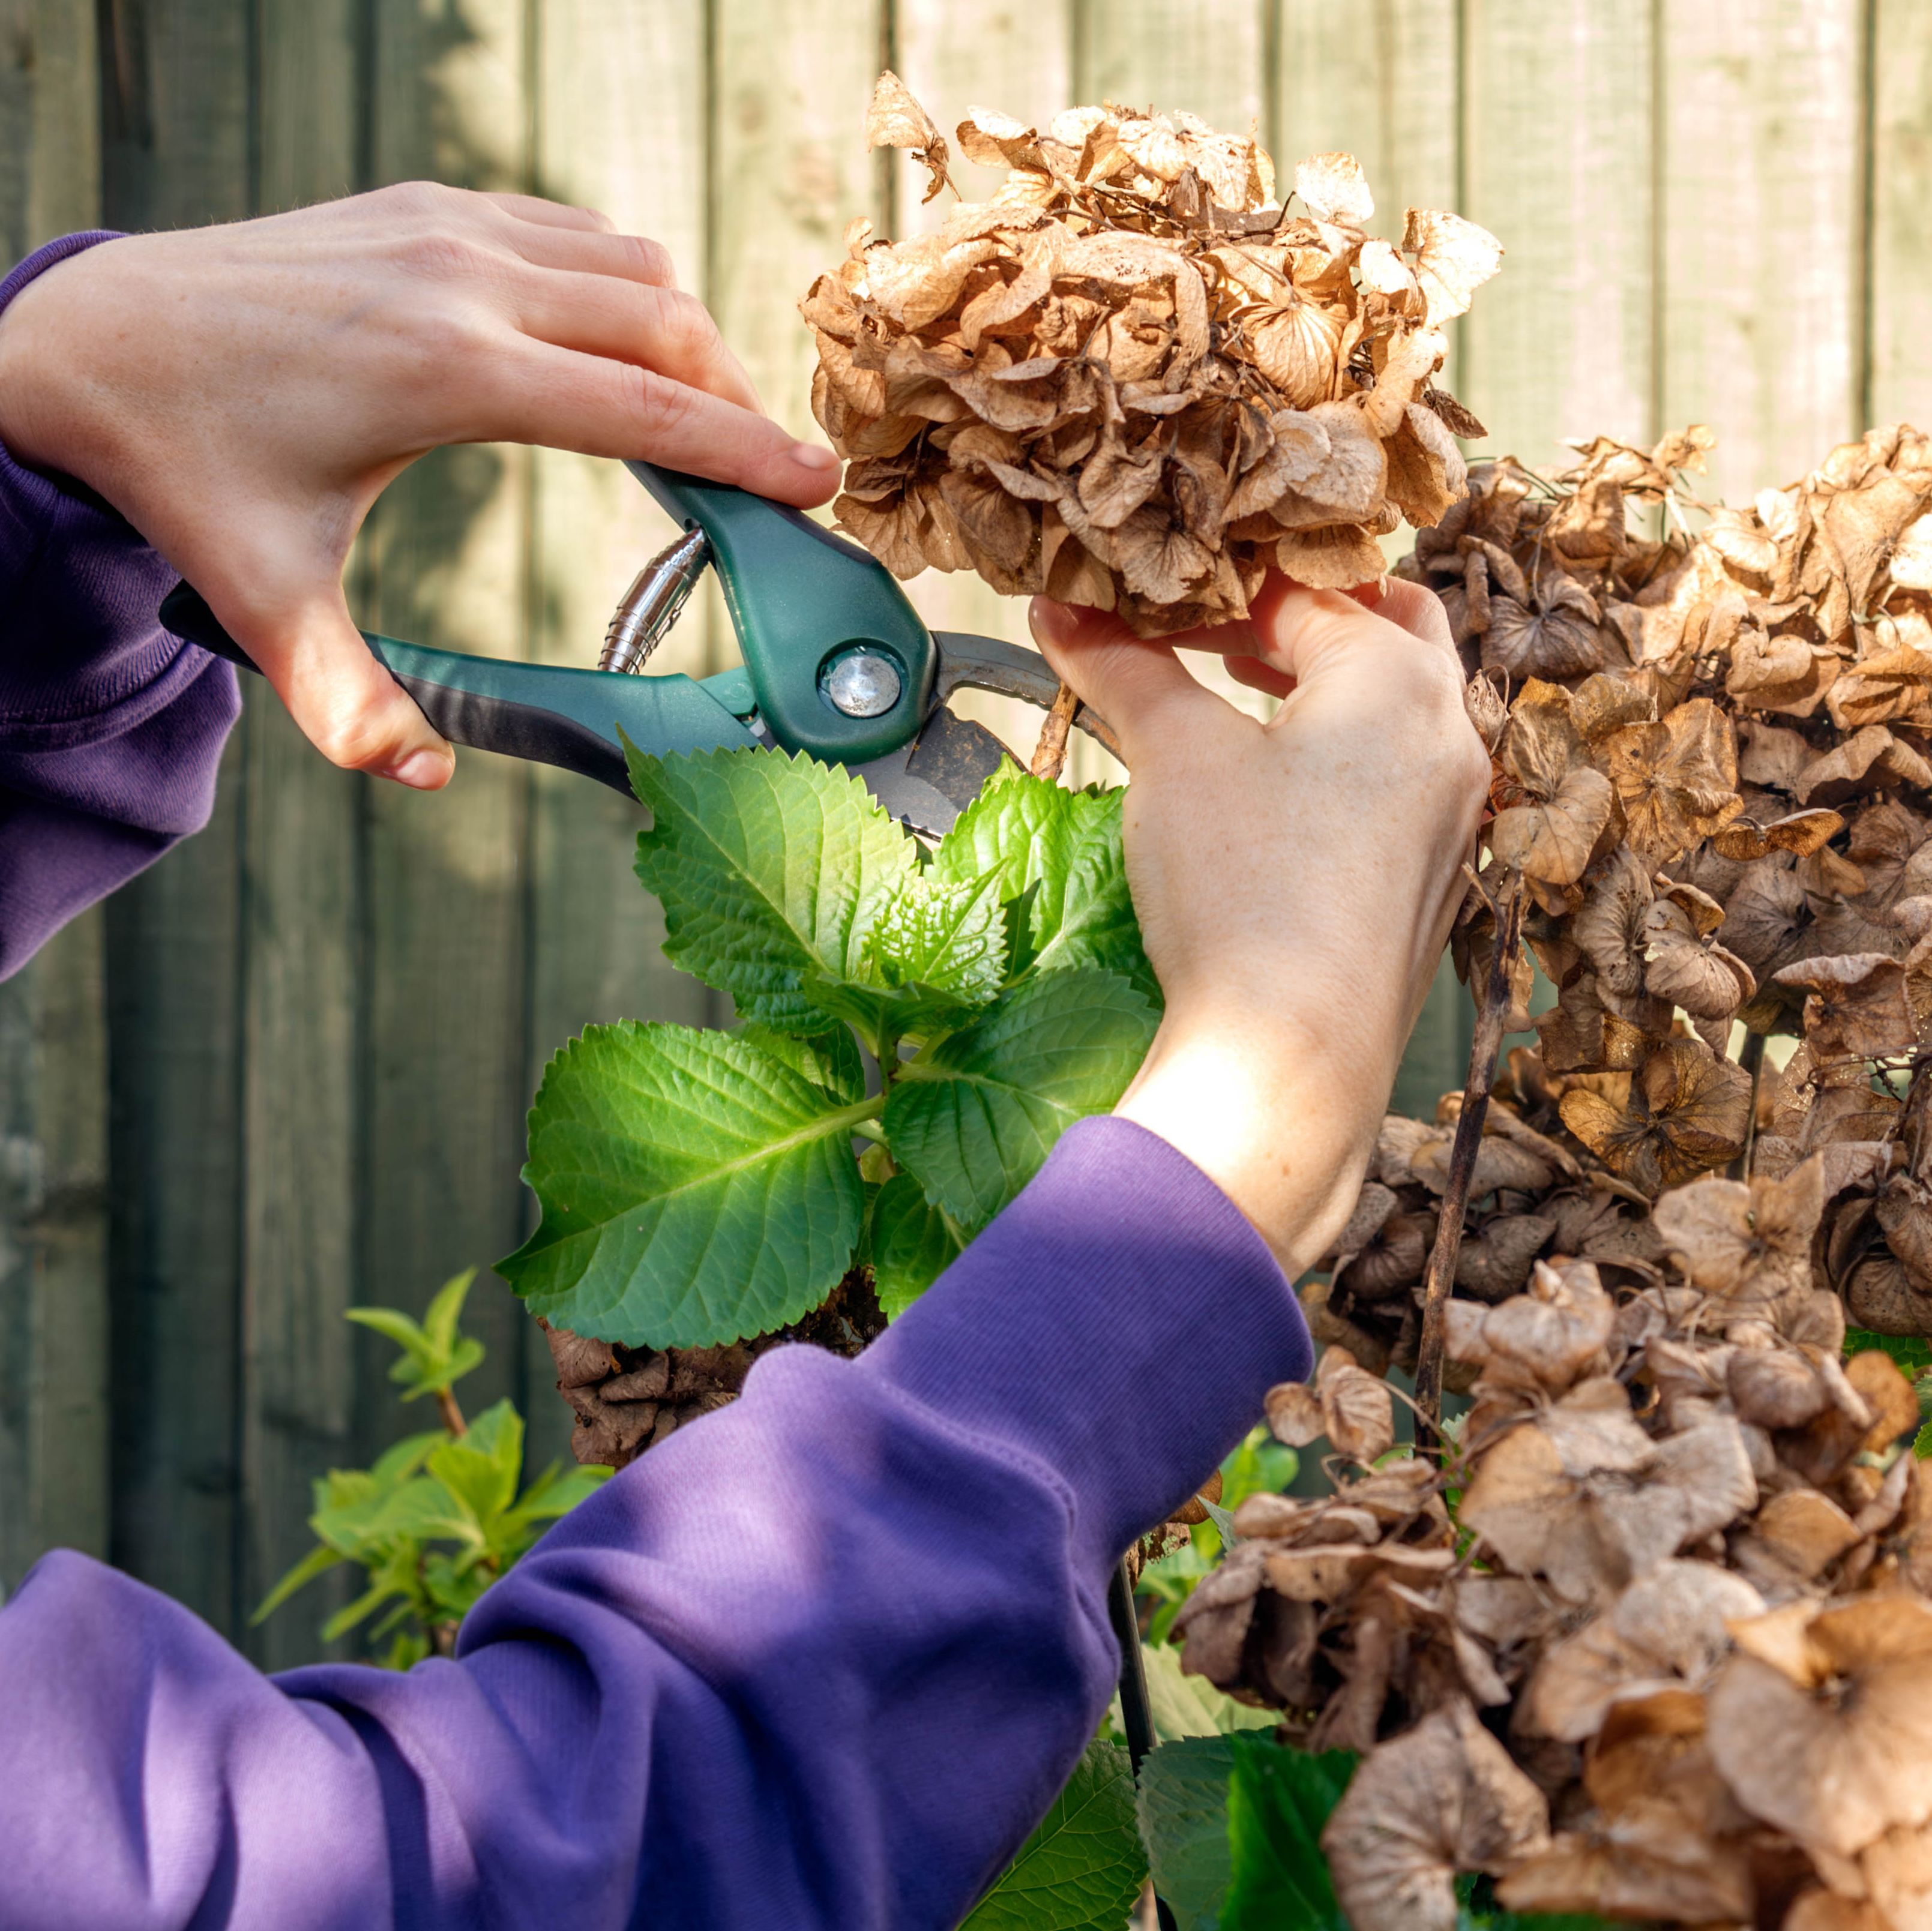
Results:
<point x="423" y="770"/>
<point x="814" y="456"/>
<point x="1052" y="622"/>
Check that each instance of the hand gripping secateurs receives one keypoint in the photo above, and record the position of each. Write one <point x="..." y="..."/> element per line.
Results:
<point x="837" y="664"/>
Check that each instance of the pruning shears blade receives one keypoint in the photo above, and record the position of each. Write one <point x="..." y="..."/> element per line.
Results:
<point x="1010" y="670"/>
<point x="928" y="781"/>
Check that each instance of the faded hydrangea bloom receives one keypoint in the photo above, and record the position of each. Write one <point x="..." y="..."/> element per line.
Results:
<point x="1134" y="379"/>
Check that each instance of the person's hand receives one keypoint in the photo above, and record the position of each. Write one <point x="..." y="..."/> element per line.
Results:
<point x="1295" y="880"/>
<point x="242" y="393"/>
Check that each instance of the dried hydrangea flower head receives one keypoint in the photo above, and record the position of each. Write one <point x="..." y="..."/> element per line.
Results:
<point x="1132" y="378"/>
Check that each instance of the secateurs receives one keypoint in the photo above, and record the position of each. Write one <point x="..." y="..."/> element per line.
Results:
<point x="837" y="664"/>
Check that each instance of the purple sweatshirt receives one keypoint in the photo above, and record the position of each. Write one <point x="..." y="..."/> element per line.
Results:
<point x="822" y="1659"/>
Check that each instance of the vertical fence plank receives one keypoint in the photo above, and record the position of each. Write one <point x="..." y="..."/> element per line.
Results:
<point x="1560" y="343"/>
<point x="1382" y="82"/>
<point x="1017" y="57"/>
<point x="789" y="170"/>
<point x="1761" y="203"/>
<point x="1377" y="81"/>
<point x="54" y="1318"/>
<point x="300" y="903"/>
<point x="1209" y="57"/>
<point x="175" y="130"/>
<point x="446" y="1065"/>
<point x="1900" y="319"/>
<point x="620" y="126"/>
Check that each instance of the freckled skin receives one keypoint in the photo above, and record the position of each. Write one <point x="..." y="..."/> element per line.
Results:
<point x="242" y="395"/>
<point x="1295" y="880"/>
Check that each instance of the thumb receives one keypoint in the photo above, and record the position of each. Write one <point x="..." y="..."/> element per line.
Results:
<point x="1138" y="685"/>
<point x="346" y="704"/>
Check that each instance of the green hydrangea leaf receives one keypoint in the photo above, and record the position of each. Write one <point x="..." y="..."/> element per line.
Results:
<point x="695" y="1188"/>
<point x="1057" y="857"/>
<point x="1190" y="1706"/>
<point x="947" y="938"/>
<point x="973" y="1118"/>
<point x="481" y="1468"/>
<point x="1082" y="1868"/>
<point x="1278" y="1800"/>
<point x="1184" y="1819"/>
<point x="912" y="1244"/>
<point x="769" y="868"/>
<point x="830" y="1060"/>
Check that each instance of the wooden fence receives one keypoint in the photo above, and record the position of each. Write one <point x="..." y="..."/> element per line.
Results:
<point x="285" y="1073"/>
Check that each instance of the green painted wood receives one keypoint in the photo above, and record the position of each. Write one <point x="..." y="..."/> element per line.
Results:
<point x="1016" y="56"/>
<point x="176" y="151"/>
<point x="54" y="1461"/>
<point x="620" y="126"/>
<point x="445" y="934"/>
<point x="1557" y="163"/>
<point x="54" y="1436"/>
<point x="1899" y="376"/>
<point x="300" y="904"/>
<point x="1762" y="203"/>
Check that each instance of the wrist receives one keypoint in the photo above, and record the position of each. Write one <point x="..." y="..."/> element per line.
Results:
<point x="41" y="362"/>
<point x="1271" y="1115"/>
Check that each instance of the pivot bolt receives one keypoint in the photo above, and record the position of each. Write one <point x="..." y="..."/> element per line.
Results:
<point x="861" y="683"/>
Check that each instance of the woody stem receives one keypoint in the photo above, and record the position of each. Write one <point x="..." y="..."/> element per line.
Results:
<point x="1050" y="753"/>
<point x="1440" y="1277"/>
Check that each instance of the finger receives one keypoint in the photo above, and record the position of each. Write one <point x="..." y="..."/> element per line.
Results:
<point x="346" y="703"/>
<point x="1412" y="607"/>
<point x="1258" y="676"/>
<point x="658" y="328"/>
<point x="551" y="213"/>
<point x="1138" y="685"/>
<point x="630" y="258"/>
<point x="602" y="407"/>
<point x="1307" y="635"/>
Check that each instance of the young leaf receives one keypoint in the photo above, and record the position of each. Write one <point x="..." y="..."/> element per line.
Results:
<point x="319" y="1561"/>
<point x="1081" y="1868"/>
<point x="973" y="1118"/>
<point x="1184" y="1819"/>
<point x="829" y="1060"/>
<point x="769" y="868"/>
<point x="913" y="1243"/>
<point x="1278" y="1800"/>
<point x="948" y="938"/>
<point x="1190" y="1706"/>
<point x="695" y="1188"/>
<point x="1057" y="857"/>
<point x="481" y="1468"/>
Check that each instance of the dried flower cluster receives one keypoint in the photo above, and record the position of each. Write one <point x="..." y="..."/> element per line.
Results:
<point x="1712" y="780"/>
<point x="1132" y="379"/>
<point x="1680" y="1553"/>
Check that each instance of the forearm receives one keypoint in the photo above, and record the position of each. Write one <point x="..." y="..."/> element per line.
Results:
<point x="110" y="729"/>
<point x="820" y="1659"/>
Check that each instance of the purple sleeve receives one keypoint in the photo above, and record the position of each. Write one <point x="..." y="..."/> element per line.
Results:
<point x="820" y="1659"/>
<point x="110" y="728"/>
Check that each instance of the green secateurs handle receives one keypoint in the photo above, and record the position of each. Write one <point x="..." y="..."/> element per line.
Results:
<point x="837" y="663"/>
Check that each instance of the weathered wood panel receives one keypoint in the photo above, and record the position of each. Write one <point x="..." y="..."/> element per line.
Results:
<point x="1761" y="203"/>
<point x="176" y="137"/>
<point x="445" y="928"/>
<point x="300" y="853"/>
<point x="1558" y="127"/>
<point x="620" y="126"/>
<point x="54" y="1463"/>
<point x="1898" y="370"/>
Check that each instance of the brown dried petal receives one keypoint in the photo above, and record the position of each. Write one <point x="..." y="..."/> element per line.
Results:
<point x="1856" y="1006"/>
<point x="1677" y="780"/>
<point x="1454" y="258"/>
<point x="1444" y="1798"/>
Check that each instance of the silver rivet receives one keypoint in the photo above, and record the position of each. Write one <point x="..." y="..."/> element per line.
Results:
<point x="862" y="684"/>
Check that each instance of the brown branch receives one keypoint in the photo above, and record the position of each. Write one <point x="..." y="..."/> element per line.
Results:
<point x="1440" y="1277"/>
<point x="1050" y="754"/>
<point x="452" y="1415"/>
